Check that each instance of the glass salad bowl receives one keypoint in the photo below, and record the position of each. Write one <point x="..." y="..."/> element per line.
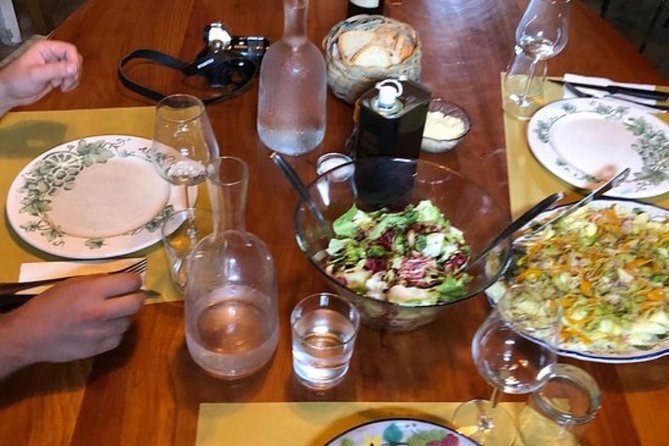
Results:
<point x="372" y="184"/>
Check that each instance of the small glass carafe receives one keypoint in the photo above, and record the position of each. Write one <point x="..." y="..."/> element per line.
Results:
<point x="231" y="292"/>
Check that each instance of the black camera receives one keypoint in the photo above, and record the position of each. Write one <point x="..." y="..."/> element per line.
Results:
<point x="228" y="63"/>
<point x="228" y="59"/>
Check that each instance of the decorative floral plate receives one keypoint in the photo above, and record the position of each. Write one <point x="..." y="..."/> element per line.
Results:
<point x="92" y="198"/>
<point x="400" y="432"/>
<point x="585" y="141"/>
<point x="631" y="354"/>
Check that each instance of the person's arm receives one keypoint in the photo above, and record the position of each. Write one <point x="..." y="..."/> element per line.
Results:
<point x="75" y="319"/>
<point x="45" y="65"/>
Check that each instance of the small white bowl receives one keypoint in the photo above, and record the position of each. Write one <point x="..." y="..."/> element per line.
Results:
<point x="454" y="125"/>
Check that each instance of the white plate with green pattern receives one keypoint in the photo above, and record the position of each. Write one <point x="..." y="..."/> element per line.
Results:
<point x="585" y="141"/>
<point x="401" y="431"/>
<point x="92" y="198"/>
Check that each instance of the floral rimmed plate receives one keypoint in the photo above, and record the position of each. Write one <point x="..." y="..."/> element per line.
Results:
<point x="400" y="431"/>
<point x="630" y="353"/>
<point x="586" y="141"/>
<point x="92" y="198"/>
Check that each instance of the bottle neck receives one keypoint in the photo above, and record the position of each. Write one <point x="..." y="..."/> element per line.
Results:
<point x="295" y="20"/>
<point x="227" y="183"/>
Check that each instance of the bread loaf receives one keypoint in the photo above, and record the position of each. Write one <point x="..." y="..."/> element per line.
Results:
<point x="351" y="42"/>
<point x="382" y="47"/>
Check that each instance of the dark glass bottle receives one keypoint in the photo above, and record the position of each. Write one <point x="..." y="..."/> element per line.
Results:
<point x="356" y="7"/>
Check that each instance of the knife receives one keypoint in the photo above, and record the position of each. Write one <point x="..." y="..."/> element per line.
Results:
<point x="10" y="302"/>
<point x="616" y="89"/>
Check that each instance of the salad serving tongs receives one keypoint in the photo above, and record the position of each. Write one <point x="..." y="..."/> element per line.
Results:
<point x="601" y="190"/>
<point x="302" y="191"/>
<point x="515" y="225"/>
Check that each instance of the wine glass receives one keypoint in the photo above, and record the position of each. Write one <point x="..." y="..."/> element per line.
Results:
<point x="183" y="142"/>
<point x="542" y="33"/>
<point x="513" y="350"/>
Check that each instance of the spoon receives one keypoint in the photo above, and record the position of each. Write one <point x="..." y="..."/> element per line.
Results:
<point x="302" y="191"/>
<point x="515" y="225"/>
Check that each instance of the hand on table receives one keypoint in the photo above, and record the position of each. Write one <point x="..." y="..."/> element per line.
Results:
<point x="75" y="319"/>
<point x="45" y="65"/>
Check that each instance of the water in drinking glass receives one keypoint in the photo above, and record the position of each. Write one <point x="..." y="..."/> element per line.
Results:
<point x="233" y="335"/>
<point x="324" y="328"/>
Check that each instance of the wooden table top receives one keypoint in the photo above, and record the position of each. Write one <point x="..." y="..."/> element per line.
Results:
<point x="147" y="391"/>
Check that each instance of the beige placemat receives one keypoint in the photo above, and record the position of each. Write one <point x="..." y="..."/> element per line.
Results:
<point x="529" y="181"/>
<point x="25" y="135"/>
<point x="305" y="424"/>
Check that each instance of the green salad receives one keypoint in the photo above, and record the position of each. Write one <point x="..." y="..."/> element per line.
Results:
<point x="413" y="257"/>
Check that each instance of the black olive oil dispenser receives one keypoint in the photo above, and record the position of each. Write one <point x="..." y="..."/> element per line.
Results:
<point x="391" y="120"/>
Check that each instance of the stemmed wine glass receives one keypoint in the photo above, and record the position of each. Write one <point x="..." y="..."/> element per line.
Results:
<point x="183" y="142"/>
<point x="542" y="33"/>
<point x="513" y="350"/>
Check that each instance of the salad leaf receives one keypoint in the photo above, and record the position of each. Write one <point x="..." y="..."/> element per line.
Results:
<point x="429" y="213"/>
<point x="346" y="225"/>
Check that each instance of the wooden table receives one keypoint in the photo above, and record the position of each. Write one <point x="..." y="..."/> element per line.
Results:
<point x="147" y="391"/>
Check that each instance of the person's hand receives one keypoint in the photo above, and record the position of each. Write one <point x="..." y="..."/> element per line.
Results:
<point x="45" y="65"/>
<point x="78" y="318"/>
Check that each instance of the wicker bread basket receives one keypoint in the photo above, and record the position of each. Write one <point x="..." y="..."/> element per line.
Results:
<point x="347" y="80"/>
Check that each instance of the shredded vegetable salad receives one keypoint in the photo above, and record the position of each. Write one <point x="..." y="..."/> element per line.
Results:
<point x="413" y="257"/>
<point x="609" y="270"/>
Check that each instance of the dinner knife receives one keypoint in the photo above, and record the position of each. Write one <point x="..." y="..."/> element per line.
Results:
<point x="9" y="302"/>
<point x="616" y="89"/>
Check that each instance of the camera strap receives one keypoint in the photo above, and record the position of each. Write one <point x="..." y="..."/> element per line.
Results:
<point x="239" y="74"/>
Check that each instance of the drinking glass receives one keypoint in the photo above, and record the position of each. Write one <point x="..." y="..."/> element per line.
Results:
<point x="513" y="350"/>
<point x="183" y="142"/>
<point x="542" y="33"/>
<point x="324" y="328"/>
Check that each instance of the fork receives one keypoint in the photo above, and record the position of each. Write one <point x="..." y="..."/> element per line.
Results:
<point x="13" y="287"/>
<point x="581" y="94"/>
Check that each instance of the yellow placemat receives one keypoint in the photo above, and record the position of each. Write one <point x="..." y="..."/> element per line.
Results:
<point x="529" y="181"/>
<point x="25" y="135"/>
<point x="305" y="424"/>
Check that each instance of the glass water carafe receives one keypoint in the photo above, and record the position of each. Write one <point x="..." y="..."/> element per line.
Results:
<point x="292" y="88"/>
<point x="231" y="292"/>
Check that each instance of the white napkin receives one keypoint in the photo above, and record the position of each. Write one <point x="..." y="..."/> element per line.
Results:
<point x="577" y="78"/>
<point x="48" y="270"/>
